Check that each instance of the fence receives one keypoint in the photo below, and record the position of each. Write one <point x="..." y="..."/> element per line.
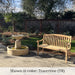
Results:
<point x="59" y="26"/>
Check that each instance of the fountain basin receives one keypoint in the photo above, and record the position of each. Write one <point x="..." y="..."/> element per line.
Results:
<point x="17" y="37"/>
<point x="11" y="50"/>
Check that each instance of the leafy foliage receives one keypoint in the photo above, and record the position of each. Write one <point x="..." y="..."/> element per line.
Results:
<point x="31" y="42"/>
<point x="69" y="15"/>
<point x="46" y="5"/>
<point x="5" y="5"/>
<point x="8" y="17"/>
<point x="28" y="6"/>
<point x="5" y="40"/>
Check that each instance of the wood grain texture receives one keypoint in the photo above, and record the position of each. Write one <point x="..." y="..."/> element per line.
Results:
<point x="57" y="42"/>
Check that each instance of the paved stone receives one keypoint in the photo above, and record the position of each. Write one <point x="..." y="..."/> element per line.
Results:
<point x="2" y="47"/>
<point x="32" y="60"/>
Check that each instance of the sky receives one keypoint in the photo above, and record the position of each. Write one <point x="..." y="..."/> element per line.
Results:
<point x="17" y="4"/>
<point x="69" y="4"/>
<point x="18" y="8"/>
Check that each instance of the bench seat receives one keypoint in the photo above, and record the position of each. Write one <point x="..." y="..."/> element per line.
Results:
<point x="51" y="47"/>
<point x="43" y="45"/>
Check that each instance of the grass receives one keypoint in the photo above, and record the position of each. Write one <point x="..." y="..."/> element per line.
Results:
<point x="73" y="46"/>
<point x="31" y="43"/>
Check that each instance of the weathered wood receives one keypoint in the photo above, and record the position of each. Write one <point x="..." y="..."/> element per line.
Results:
<point x="57" y="42"/>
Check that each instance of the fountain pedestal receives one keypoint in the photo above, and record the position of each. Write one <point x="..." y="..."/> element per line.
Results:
<point x="17" y="44"/>
<point x="18" y="49"/>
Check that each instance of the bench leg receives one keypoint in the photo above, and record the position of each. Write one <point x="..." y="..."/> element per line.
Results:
<point x="69" y="57"/>
<point x="37" y="50"/>
<point x="66" y="57"/>
<point x="69" y="54"/>
<point x="42" y="50"/>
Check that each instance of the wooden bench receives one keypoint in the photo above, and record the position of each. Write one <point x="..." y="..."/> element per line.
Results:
<point x="57" y="42"/>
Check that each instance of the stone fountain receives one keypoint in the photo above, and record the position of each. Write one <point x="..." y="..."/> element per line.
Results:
<point x="18" y="49"/>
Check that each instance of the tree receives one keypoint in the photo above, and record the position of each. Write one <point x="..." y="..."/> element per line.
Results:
<point x="45" y="5"/>
<point x="28" y="6"/>
<point x="5" y="5"/>
<point x="68" y="15"/>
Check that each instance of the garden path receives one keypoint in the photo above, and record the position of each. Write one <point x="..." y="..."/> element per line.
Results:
<point x="32" y="60"/>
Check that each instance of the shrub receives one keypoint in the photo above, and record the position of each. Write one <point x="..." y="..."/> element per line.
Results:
<point x="30" y="42"/>
<point x="66" y="33"/>
<point x="10" y="28"/>
<point x="0" y="37"/>
<point x="48" y="28"/>
<point x="70" y="30"/>
<point x="32" y="29"/>
<point x="5" y="40"/>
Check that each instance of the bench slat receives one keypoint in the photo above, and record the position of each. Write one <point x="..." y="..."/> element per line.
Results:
<point x="56" y="39"/>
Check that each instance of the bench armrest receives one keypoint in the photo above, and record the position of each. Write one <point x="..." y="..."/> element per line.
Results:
<point x="68" y="45"/>
<point x="39" y="40"/>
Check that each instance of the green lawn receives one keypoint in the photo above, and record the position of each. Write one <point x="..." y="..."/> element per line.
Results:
<point x="31" y="43"/>
<point x="73" y="46"/>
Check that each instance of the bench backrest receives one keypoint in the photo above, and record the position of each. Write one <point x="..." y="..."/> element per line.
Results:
<point x="57" y="39"/>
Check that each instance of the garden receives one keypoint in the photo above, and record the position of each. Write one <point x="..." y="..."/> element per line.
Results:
<point x="23" y="22"/>
<point x="31" y="41"/>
